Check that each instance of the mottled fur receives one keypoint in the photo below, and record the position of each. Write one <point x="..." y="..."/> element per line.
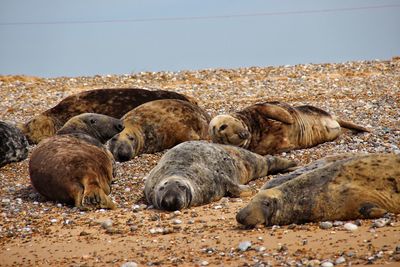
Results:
<point x="13" y="144"/>
<point x="158" y="125"/>
<point x="274" y="127"/>
<point x="196" y="173"/>
<point x="345" y="187"/>
<point x="73" y="166"/>
<point x="112" y="102"/>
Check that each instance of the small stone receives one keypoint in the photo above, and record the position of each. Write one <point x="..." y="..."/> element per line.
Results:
<point x="245" y="245"/>
<point x="396" y="257"/>
<point x="314" y="263"/>
<point x="5" y="200"/>
<point x="106" y="223"/>
<point x="113" y="231"/>
<point x="350" y="227"/>
<point x="380" y="222"/>
<point x="337" y="223"/>
<point x="327" y="264"/>
<point x="261" y="249"/>
<point x="129" y="264"/>
<point x="53" y="220"/>
<point x="133" y="228"/>
<point x="83" y="233"/>
<point x="204" y="263"/>
<point x="292" y="226"/>
<point x="397" y="250"/>
<point x="218" y="207"/>
<point x="325" y="225"/>
<point x="358" y="222"/>
<point x="340" y="260"/>
<point x="176" y="221"/>
<point x="137" y="208"/>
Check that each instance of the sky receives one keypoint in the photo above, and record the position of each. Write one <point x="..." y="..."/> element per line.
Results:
<point x="52" y="38"/>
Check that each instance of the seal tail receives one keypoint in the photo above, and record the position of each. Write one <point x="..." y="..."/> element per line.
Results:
<point x="277" y="164"/>
<point x="352" y="126"/>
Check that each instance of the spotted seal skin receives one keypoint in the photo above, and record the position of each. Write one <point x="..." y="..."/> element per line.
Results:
<point x="197" y="172"/>
<point x="347" y="187"/>
<point x="74" y="166"/>
<point x="274" y="127"/>
<point x="112" y="102"/>
<point x="158" y="125"/>
<point x="13" y="144"/>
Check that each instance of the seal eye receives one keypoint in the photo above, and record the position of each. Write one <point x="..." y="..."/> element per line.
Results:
<point x="92" y="121"/>
<point x="266" y="203"/>
<point x="223" y="127"/>
<point x="182" y="187"/>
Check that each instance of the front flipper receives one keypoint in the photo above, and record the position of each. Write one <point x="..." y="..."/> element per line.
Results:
<point x="275" y="112"/>
<point x="239" y="190"/>
<point x="371" y="211"/>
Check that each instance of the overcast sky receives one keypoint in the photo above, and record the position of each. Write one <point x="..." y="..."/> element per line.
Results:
<point x="51" y="38"/>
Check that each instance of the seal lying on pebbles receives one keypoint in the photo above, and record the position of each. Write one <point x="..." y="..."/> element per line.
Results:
<point x="13" y="144"/>
<point x="158" y="125"/>
<point x="274" y="127"/>
<point x="196" y="172"/>
<point x="73" y="166"/>
<point x="112" y="102"/>
<point x="343" y="188"/>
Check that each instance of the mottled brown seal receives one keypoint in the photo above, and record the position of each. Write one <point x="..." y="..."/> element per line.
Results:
<point x="197" y="172"/>
<point x="13" y="144"/>
<point x="112" y="102"/>
<point x="158" y="125"/>
<point x="342" y="187"/>
<point x="73" y="166"/>
<point x="274" y="127"/>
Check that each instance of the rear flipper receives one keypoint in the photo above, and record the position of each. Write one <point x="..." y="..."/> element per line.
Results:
<point x="351" y="126"/>
<point x="371" y="211"/>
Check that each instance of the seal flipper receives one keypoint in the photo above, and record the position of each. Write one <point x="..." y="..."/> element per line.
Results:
<point x="275" y="112"/>
<point x="371" y="211"/>
<point x="238" y="190"/>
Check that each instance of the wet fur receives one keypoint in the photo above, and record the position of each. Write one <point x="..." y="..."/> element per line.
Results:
<point x="208" y="171"/>
<point x="73" y="166"/>
<point x="159" y="125"/>
<point x="343" y="188"/>
<point x="13" y="144"/>
<point x="112" y="102"/>
<point x="275" y="127"/>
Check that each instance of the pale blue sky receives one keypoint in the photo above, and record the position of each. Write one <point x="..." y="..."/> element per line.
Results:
<point x="75" y="49"/>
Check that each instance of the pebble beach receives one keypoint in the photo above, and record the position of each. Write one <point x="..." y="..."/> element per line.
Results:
<point x="37" y="232"/>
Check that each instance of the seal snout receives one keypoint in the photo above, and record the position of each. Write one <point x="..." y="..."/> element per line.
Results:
<point x="174" y="195"/>
<point x="119" y="126"/>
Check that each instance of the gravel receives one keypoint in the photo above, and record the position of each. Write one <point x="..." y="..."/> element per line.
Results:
<point x="366" y="92"/>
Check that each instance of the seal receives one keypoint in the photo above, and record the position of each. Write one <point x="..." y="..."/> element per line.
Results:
<point x="343" y="187"/>
<point x="73" y="166"/>
<point x="112" y="102"/>
<point x="197" y="172"/>
<point x="274" y="127"/>
<point x="13" y="144"/>
<point x="158" y="125"/>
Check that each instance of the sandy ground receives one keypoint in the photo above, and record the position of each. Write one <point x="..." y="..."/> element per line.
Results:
<point x="36" y="232"/>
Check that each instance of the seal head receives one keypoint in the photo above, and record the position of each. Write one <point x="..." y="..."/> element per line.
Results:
<point x="226" y="129"/>
<point x="98" y="126"/>
<point x="173" y="194"/>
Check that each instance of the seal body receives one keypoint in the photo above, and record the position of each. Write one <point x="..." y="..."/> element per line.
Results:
<point x="274" y="127"/>
<point x="112" y="102"/>
<point x="197" y="172"/>
<point x="342" y="187"/>
<point x="73" y="166"/>
<point x="158" y="125"/>
<point x="13" y="144"/>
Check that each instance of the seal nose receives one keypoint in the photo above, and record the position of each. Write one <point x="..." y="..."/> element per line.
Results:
<point x="241" y="217"/>
<point x="119" y="127"/>
<point x="171" y="202"/>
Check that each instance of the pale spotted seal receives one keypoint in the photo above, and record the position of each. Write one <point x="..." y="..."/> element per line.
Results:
<point x="274" y="127"/>
<point x="13" y="144"/>
<point x="343" y="187"/>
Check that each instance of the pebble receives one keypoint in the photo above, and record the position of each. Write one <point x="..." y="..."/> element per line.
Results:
<point x="245" y="245"/>
<point x="129" y="264"/>
<point x="106" y="223"/>
<point x="325" y="225"/>
<point x="137" y="208"/>
<point x="204" y="263"/>
<point x="327" y="264"/>
<point x="340" y="260"/>
<point x="350" y="226"/>
<point x="338" y="223"/>
<point x="380" y="222"/>
<point x="176" y="221"/>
